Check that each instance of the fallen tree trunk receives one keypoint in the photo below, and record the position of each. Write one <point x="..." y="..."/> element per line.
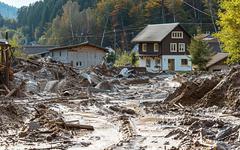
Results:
<point x="13" y="91"/>
<point x="79" y="126"/>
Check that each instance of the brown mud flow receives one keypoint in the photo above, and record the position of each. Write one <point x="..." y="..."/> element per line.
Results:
<point x="48" y="105"/>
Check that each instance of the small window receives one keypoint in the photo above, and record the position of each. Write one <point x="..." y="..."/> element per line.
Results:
<point x="80" y="63"/>
<point x="52" y="54"/>
<point x="181" y="47"/>
<point x="76" y="63"/>
<point x="157" y="63"/>
<point x="148" y="62"/>
<point x="156" y="47"/>
<point x="60" y="53"/>
<point x="177" y="34"/>
<point x="184" y="62"/>
<point x="173" y="47"/>
<point x="144" y="47"/>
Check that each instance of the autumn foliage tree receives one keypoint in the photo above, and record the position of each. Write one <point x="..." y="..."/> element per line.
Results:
<point x="229" y="34"/>
<point x="69" y="27"/>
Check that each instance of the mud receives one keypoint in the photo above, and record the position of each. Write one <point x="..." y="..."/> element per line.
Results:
<point x="97" y="109"/>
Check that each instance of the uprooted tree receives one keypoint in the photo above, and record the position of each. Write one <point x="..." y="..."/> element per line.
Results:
<point x="229" y="22"/>
<point x="200" y="53"/>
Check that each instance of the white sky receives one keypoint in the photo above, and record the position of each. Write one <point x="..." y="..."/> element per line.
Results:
<point x="18" y="3"/>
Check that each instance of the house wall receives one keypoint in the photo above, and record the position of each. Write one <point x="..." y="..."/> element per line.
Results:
<point x="152" y="68"/>
<point x="164" y="45"/>
<point x="150" y="48"/>
<point x="178" y="66"/>
<point x="168" y="39"/>
<point x="220" y="66"/>
<point x="60" y="55"/>
<point x="80" y="57"/>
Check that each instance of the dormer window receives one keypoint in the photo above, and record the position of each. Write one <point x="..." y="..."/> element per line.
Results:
<point x="156" y="47"/>
<point x="177" y="34"/>
<point x="144" y="47"/>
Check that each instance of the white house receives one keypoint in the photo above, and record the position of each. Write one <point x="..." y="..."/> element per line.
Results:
<point x="164" y="47"/>
<point x="79" y="56"/>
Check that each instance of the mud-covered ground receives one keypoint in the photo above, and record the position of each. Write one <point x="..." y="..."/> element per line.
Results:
<point x="128" y="117"/>
<point x="52" y="106"/>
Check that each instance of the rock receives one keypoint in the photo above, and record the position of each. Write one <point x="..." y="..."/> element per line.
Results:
<point x="122" y="110"/>
<point x="166" y="143"/>
<point x="85" y="144"/>
<point x="221" y="146"/>
<point x="33" y="126"/>
<point x="50" y="86"/>
<point x="105" y="85"/>
<point x="32" y="86"/>
<point x="24" y="132"/>
<point x="124" y="72"/>
<point x="226" y="132"/>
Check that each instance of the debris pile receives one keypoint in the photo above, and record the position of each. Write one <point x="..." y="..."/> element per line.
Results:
<point x="49" y="125"/>
<point x="57" y="106"/>
<point x="11" y="116"/>
<point x="208" y="90"/>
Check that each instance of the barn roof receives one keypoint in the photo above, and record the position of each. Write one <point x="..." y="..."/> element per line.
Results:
<point x="36" y="49"/>
<point x="78" y="45"/>
<point x="217" y="58"/>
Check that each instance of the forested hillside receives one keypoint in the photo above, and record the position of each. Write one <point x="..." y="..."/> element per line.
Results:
<point x="8" y="11"/>
<point x="101" y="21"/>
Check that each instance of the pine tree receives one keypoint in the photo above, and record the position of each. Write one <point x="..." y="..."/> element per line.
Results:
<point x="200" y="53"/>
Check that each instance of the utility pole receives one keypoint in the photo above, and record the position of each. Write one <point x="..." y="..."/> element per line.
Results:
<point x="163" y="12"/>
<point x="211" y="12"/>
<point x="104" y="31"/>
<point x="115" y="39"/>
<point x="124" y="37"/>
<point x="174" y="12"/>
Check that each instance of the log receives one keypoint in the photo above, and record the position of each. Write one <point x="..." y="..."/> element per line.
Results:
<point x="15" y="90"/>
<point x="78" y="126"/>
<point x="11" y="92"/>
<point x="6" y="88"/>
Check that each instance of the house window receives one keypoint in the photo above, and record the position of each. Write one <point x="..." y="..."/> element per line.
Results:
<point x="156" y="47"/>
<point x="79" y="63"/>
<point x="52" y="54"/>
<point x="144" y="47"/>
<point x="60" y="53"/>
<point x="184" y="62"/>
<point x="173" y="47"/>
<point x="157" y="63"/>
<point x="181" y="47"/>
<point x="177" y="34"/>
<point x="148" y="62"/>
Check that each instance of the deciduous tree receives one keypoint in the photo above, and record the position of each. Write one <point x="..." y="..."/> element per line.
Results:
<point x="229" y="34"/>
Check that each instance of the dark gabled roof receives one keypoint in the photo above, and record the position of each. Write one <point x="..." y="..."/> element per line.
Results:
<point x="213" y="42"/>
<point x="155" y="32"/>
<point x="79" y="45"/>
<point x="207" y="38"/>
<point x="36" y="49"/>
<point x="217" y="58"/>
